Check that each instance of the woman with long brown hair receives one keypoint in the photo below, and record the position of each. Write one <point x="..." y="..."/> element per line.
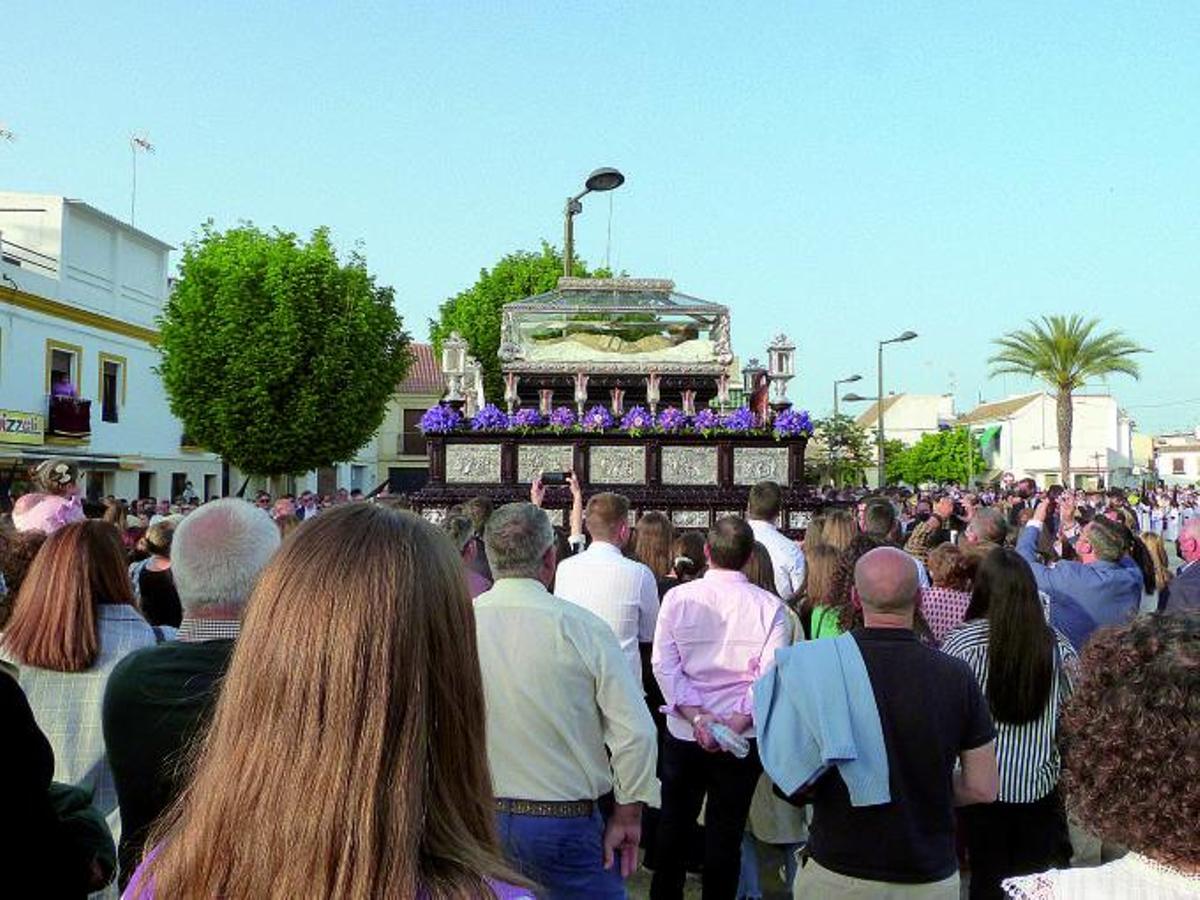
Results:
<point x="652" y="545"/>
<point x="346" y="756"/>
<point x="73" y="621"/>
<point x="1025" y="669"/>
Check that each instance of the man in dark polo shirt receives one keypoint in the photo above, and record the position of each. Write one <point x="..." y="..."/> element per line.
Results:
<point x="933" y="716"/>
<point x="158" y="698"/>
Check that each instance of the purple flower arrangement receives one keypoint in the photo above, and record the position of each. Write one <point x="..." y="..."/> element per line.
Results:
<point x="793" y="423"/>
<point x="490" y="418"/>
<point x="706" y="422"/>
<point x="739" y="420"/>
<point x="789" y="424"/>
<point x="562" y="418"/>
<point x="439" y="420"/>
<point x="637" y="420"/>
<point x="672" y="420"/>
<point x="525" y="419"/>
<point x="598" y="418"/>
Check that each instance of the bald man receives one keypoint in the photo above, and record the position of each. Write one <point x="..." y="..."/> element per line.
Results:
<point x="1184" y="590"/>
<point x="933" y="716"/>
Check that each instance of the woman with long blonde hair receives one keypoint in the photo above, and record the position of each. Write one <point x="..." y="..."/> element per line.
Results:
<point x="1157" y="550"/>
<point x="346" y="756"/>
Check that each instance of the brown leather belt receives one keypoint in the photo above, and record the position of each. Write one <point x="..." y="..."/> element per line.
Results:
<point x="546" y="809"/>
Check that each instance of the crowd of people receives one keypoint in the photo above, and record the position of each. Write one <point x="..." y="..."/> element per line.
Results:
<point x="288" y="697"/>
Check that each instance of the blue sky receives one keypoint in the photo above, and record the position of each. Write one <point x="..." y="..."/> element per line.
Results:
<point x="838" y="171"/>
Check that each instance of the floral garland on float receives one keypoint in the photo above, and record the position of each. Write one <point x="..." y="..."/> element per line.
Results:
<point x="790" y="424"/>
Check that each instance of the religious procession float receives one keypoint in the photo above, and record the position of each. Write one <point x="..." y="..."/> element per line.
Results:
<point x="632" y="386"/>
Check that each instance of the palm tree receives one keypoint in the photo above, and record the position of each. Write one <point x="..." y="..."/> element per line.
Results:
<point x="1065" y="352"/>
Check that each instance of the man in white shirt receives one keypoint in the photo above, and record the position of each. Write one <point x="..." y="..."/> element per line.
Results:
<point x="766" y="500"/>
<point x="622" y="592"/>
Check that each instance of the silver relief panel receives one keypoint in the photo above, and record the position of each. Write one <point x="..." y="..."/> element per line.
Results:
<point x="689" y="465"/>
<point x="754" y="464"/>
<point x="473" y="463"/>
<point x="434" y="514"/>
<point x="617" y="465"/>
<point x="535" y="458"/>
<point x="799" y="520"/>
<point x="690" y="518"/>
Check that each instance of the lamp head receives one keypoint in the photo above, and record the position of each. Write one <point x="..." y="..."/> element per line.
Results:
<point x="856" y="398"/>
<point x="604" y="180"/>
<point x="850" y="380"/>
<point x="907" y="336"/>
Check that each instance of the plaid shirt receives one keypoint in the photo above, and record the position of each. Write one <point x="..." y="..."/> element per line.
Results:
<point x="194" y="631"/>
<point x="67" y="707"/>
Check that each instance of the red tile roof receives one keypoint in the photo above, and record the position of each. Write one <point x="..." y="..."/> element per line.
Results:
<point x="425" y="374"/>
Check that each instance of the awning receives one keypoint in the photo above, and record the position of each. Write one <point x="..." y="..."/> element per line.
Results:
<point x="987" y="437"/>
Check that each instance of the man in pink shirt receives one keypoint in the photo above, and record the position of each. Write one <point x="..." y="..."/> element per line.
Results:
<point x="715" y="636"/>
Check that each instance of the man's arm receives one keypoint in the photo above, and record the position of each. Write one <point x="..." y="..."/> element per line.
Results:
<point x="667" y="660"/>
<point x="978" y="779"/>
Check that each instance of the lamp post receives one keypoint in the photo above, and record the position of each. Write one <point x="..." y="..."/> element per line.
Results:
<point x="833" y="442"/>
<point x="906" y="336"/>
<point x="601" y="180"/>
<point x="781" y="368"/>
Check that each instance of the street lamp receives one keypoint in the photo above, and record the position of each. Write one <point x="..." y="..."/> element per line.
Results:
<point x="781" y="368"/>
<point x="601" y="180"/>
<point x="750" y="372"/>
<point x="906" y="336"/>
<point x="454" y="368"/>
<point x="833" y="441"/>
<point x="850" y="380"/>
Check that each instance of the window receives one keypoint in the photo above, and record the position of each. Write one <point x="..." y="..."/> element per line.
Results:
<point x="1177" y="466"/>
<point x="145" y="485"/>
<point x="178" y="485"/>
<point x="62" y="368"/>
<point x="412" y="441"/>
<point x="112" y="386"/>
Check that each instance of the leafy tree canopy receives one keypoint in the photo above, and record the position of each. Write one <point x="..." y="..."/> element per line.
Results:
<point x="843" y="451"/>
<point x="274" y="353"/>
<point x="475" y="312"/>
<point x="941" y="457"/>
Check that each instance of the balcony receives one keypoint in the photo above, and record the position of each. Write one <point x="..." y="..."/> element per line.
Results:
<point x="70" y="418"/>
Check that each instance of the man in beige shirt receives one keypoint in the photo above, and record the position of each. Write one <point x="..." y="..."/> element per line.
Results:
<point x="559" y="692"/>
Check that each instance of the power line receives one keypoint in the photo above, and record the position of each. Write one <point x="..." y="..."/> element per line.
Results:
<point x="1161" y="405"/>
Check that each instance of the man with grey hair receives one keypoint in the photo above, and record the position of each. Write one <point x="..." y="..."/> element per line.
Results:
<point x="158" y="698"/>
<point x="986" y="530"/>
<point x="933" y="715"/>
<point x="566" y="722"/>
<point x="1103" y="588"/>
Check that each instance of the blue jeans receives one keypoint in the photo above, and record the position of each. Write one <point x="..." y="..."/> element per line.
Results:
<point x="563" y="857"/>
<point x="748" y="885"/>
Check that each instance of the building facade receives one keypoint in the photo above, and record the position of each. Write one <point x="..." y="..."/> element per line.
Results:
<point x="1020" y="435"/>
<point x="401" y="450"/>
<point x="80" y="292"/>
<point x="909" y="417"/>
<point x="1177" y="457"/>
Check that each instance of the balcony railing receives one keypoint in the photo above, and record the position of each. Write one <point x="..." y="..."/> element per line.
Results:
<point x="69" y="417"/>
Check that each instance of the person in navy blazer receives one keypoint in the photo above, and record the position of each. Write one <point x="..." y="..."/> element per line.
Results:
<point x="1103" y="588"/>
<point x="1184" y="590"/>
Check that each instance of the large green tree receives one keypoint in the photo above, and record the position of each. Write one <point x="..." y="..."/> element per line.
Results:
<point x="843" y="451"/>
<point x="275" y="353"/>
<point x="475" y="312"/>
<point x="941" y="457"/>
<point x="1065" y="352"/>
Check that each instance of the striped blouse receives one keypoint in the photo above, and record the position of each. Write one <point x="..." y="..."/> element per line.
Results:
<point x="1027" y="754"/>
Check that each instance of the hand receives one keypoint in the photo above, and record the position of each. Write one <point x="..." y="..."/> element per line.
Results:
<point x="575" y="486"/>
<point x="704" y="737"/>
<point x="1042" y="511"/>
<point x="622" y="834"/>
<point x="1066" y="510"/>
<point x="537" y="491"/>
<point x="944" y="509"/>
<point x="738" y="722"/>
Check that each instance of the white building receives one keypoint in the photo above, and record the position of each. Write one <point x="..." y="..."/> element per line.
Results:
<point x="79" y="293"/>
<point x="908" y="417"/>
<point x="1177" y="457"/>
<point x="1020" y="435"/>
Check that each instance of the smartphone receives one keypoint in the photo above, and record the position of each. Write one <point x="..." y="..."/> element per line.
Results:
<point x="555" y="477"/>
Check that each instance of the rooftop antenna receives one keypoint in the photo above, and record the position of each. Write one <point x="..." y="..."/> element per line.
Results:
<point x="136" y="142"/>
